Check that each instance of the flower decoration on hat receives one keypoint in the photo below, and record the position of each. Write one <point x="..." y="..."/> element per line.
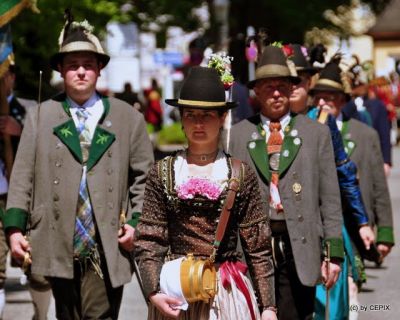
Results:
<point x="222" y="63"/>
<point x="288" y="50"/>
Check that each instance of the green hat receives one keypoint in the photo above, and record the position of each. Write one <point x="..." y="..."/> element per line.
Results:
<point x="202" y="89"/>
<point x="78" y="37"/>
<point x="273" y="64"/>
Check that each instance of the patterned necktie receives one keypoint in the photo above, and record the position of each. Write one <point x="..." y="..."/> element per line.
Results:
<point x="274" y="146"/>
<point x="84" y="237"/>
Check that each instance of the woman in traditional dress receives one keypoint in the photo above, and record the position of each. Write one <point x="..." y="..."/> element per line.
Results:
<point x="184" y="197"/>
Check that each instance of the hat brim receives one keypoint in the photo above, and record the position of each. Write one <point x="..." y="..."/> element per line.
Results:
<point x="175" y="103"/>
<point x="310" y="70"/>
<point x="322" y="87"/>
<point x="56" y="59"/>
<point x="293" y="79"/>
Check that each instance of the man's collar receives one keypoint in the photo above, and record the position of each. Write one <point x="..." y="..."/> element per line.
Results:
<point x="284" y="120"/>
<point x="89" y="103"/>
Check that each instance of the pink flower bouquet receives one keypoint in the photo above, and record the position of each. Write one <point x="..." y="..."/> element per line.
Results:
<point x="199" y="186"/>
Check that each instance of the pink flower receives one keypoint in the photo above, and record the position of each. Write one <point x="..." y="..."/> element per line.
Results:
<point x="198" y="186"/>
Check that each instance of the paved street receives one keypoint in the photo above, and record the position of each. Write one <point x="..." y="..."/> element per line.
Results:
<point x="380" y="292"/>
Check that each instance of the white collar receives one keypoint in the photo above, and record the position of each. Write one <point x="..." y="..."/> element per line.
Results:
<point x="283" y="120"/>
<point x="88" y="104"/>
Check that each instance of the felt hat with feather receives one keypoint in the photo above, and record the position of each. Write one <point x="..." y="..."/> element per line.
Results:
<point x="274" y="64"/>
<point x="78" y="37"/>
<point x="300" y="61"/>
<point x="333" y="79"/>
<point x="202" y="89"/>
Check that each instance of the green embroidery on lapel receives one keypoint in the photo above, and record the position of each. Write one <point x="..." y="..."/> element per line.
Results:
<point x="67" y="133"/>
<point x="258" y="152"/>
<point x="348" y="144"/>
<point x="103" y="140"/>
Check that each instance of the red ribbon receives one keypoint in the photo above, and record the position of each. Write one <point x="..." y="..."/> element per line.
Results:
<point x="233" y="269"/>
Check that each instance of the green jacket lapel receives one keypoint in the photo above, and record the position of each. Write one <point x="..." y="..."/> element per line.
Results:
<point x="258" y="152"/>
<point x="290" y="147"/>
<point x="349" y="145"/>
<point x="102" y="139"/>
<point x="68" y="135"/>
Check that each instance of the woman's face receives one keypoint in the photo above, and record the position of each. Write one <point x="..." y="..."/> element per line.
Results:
<point x="202" y="126"/>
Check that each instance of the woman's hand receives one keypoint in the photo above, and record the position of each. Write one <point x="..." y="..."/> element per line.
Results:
<point x="165" y="304"/>
<point x="268" y="315"/>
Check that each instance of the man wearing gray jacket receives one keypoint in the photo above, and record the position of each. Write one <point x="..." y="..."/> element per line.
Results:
<point x="80" y="169"/>
<point x="293" y="157"/>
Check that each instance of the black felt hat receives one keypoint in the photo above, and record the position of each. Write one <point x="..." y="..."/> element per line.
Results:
<point x="300" y="61"/>
<point x="332" y="79"/>
<point x="78" y="37"/>
<point x="273" y="64"/>
<point x="202" y="89"/>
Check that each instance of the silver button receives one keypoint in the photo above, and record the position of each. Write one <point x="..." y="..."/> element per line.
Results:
<point x="58" y="164"/>
<point x="110" y="189"/>
<point x="56" y="181"/>
<point x="303" y="240"/>
<point x="300" y="217"/>
<point x="109" y="153"/>
<point x="56" y="197"/>
<point x="58" y="145"/>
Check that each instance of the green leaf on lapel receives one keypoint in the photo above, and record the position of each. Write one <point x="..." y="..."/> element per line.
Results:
<point x="68" y="135"/>
<point x="66" y="131"/>
<point x="102" y="139"/>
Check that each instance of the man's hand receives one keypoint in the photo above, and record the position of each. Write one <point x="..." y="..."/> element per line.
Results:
<point x="334" y="270"/>
<point x="10" y="126"/>
<point x="19" y="245"/>
<point x="367" y="235"/>
<point x="268" y="315"/>
<point x="387" y="168"/>
<point x="384" y="249"/>
<point x="125" y="237"/>
<point x="165" y="305"/>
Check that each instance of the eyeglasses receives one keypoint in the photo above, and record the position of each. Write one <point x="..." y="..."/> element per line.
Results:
<point x="325" y="97"/>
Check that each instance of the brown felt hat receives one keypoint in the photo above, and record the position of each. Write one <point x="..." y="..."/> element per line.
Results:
<point x="273" y="64"/>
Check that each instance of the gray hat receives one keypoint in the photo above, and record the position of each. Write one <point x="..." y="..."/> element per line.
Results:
<point x="78" y="37"/>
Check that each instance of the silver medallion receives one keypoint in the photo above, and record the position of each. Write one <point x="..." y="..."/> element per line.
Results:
<point x="285" y="153"/>
<point x="294" y="133"/>
<point x="274" y="161"/>
<point x="252" y="145"/>
<point x="254" y="135"/>
<point x="108" y="123"/>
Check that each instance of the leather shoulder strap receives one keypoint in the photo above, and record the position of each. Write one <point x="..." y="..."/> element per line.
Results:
<point x="233" y="188"/>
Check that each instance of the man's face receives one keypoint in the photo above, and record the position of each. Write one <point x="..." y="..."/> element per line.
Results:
<point x="333" y="102"/>
<point x="273" y="95"/>
<point x="299" y="96"/>
<point x="80" y="71"/>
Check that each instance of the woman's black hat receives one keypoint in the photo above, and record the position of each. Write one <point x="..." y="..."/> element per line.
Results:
<point x="273" y="64"/>
<point x="202" y="89"/>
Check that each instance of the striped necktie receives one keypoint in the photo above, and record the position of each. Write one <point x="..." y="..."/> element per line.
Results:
<point x="84" y="237"/>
